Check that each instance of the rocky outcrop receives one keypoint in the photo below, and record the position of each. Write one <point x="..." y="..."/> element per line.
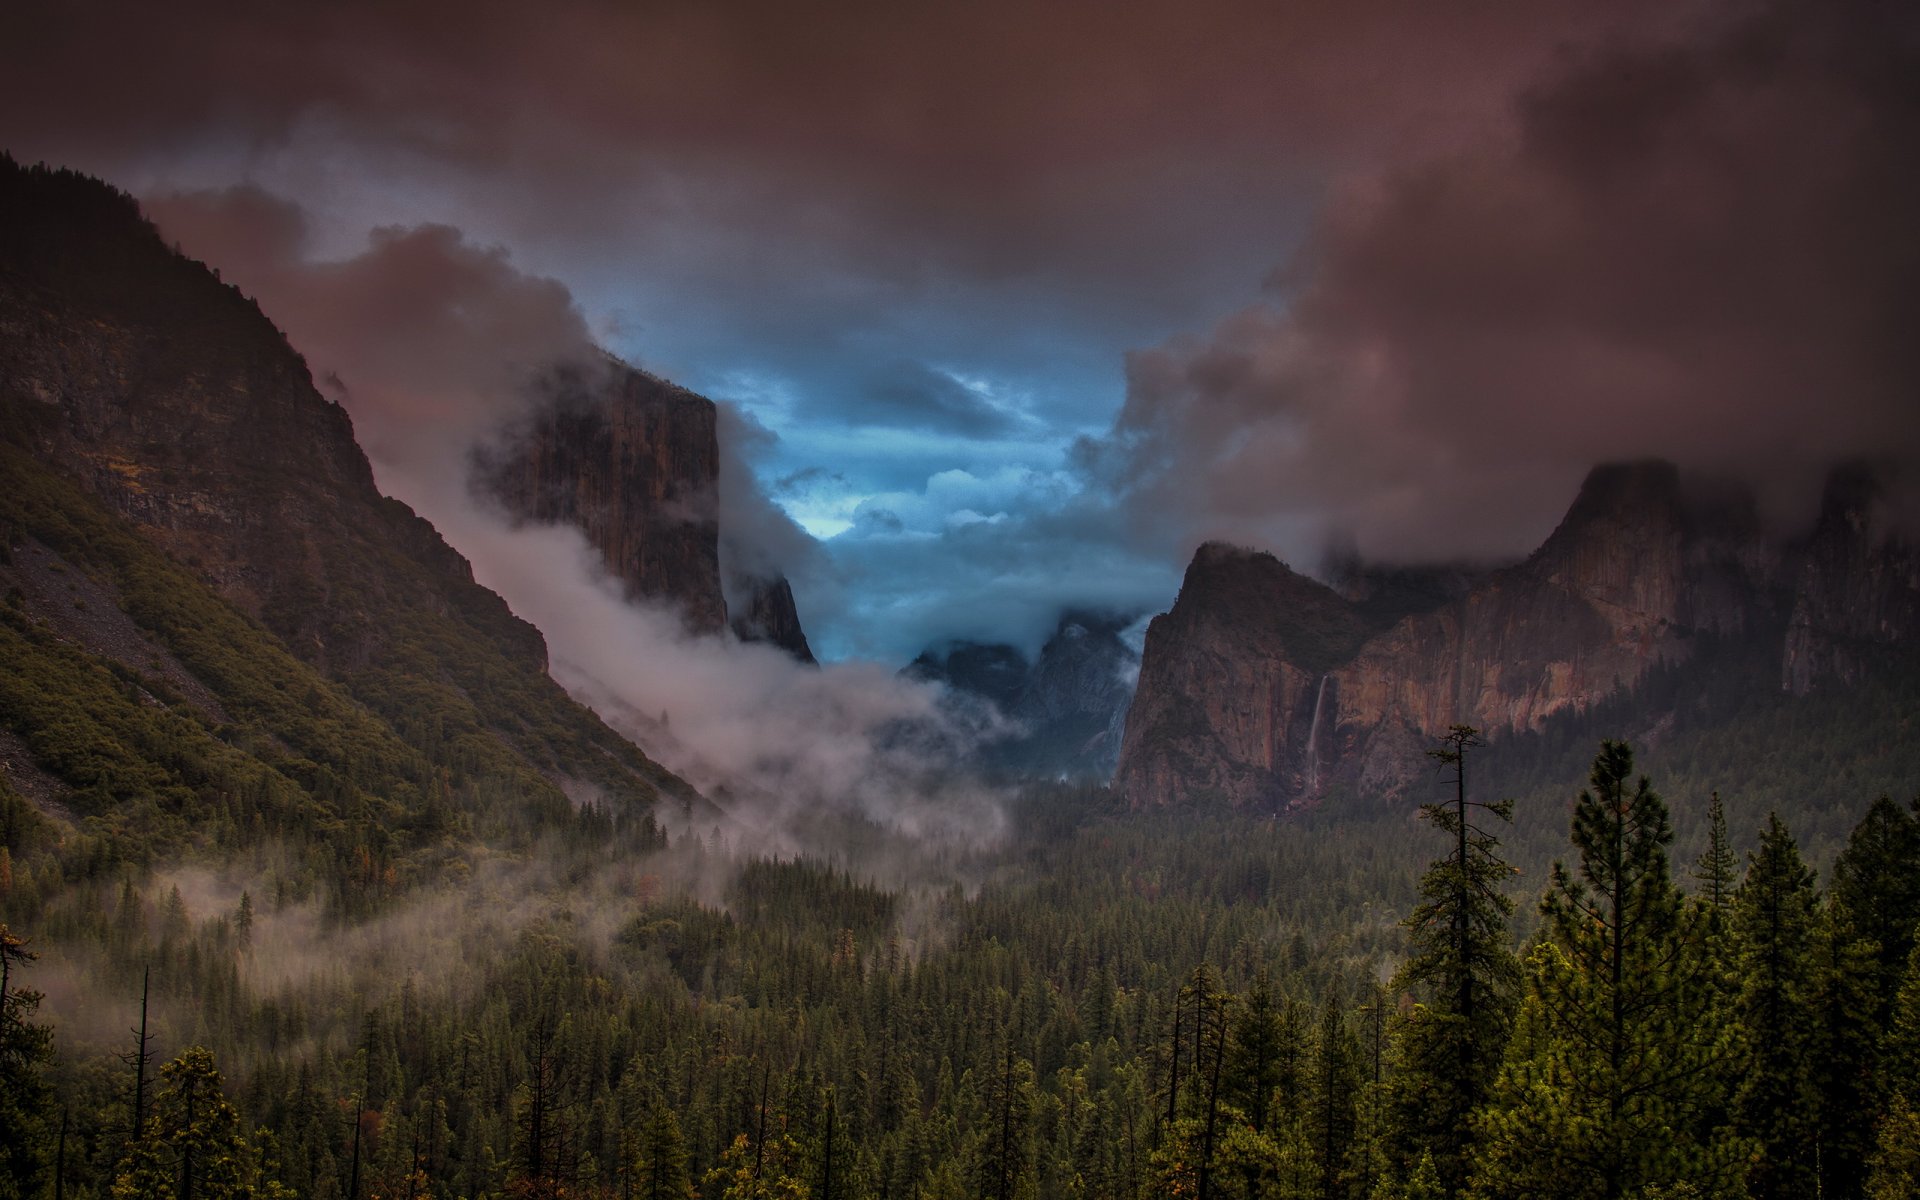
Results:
<point x="1059" y="716"/>
<point x="764" y="611"/>
<point x="633" y="462"/>
<point x="1858" y="585"/>
<point x="1262" y="689"/>
<point x="1231" y="708"/>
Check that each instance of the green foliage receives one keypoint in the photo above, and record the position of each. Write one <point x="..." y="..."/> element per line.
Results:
<point x="1613" y="1076"/>
<point x="670" y="1040"/>
<point x="193" y="1145"/>
<point x="1464" y="967"/>
<point x="1775" y="924"/>
<point x="660" y="1159"/>
<point x="25" y="1049"/>
<point x="764" y="1172"/>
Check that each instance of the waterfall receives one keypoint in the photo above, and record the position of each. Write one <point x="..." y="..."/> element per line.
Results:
<point x="1313" y="737"/>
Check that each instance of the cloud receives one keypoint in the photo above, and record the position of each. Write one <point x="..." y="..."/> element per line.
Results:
<point x="913" y="395"/>
<point x="993" y="556"/>
<point x="436" y="341"/>
<point x="1700" y="249"/>
<point x="913" y="239"/>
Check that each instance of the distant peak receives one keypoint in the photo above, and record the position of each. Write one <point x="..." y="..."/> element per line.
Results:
<point x="1626" y="486"/>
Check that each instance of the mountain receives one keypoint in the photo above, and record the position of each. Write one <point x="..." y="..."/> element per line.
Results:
<point x="1065" y="707"/>
<point x="1263" y="689"/>
<point x="190" y="525"/>
<point x="633" y="462"/>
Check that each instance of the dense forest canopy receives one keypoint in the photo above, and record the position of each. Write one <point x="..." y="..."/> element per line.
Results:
<point x="1108" y="1004"/>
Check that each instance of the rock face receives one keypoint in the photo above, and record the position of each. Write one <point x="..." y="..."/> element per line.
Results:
<point x="1262" y="689"/>
<point x="175" y="403"/>
<point x="1858" y="588"/>
<point x="764" y="612"/>
<point x="1066" y="707"/>
<point x="633" y="462"/>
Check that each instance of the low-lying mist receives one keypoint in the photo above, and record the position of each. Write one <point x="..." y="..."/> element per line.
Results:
<point x="434" y="346"/>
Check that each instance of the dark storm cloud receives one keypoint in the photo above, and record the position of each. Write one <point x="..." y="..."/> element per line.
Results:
<point x="993" y="140"/>
<point x="1702" y="249"/>
<point x="916" y="238"/>
<point x="915" y="396"/>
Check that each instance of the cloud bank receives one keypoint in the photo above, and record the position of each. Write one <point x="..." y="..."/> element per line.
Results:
<point x="1432" y="261"/>
<point x="1696" y="247"/>
<point x="430" y="343"/>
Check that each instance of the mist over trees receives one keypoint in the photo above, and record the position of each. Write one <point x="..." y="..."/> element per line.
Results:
<point x="1116" y="1005"/>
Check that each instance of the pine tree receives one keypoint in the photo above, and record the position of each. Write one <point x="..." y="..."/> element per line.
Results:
<point x="1003" y="1162"/>
<point x="1615" y="1064"/>
<point x="1875" y="903"/>
<point x="25" y="1049"/>
<point x="194" y="1148"/>
<point x="1461" y="961"/>
<point x="1876" y="886"/>
<point x="1255" y="1068"/>
<point x="1331" y="1119"/>
<point x="1717" y="870"/>
<point x="1894" y="1169"/>
<point x="1845" y="1029"/>
<point x="660" y="1166"/>
<point x="1775" y="921"/>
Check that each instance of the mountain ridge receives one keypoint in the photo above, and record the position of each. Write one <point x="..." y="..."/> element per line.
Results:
<point x="1260" y="690"/>
<point x="191" y="446"/>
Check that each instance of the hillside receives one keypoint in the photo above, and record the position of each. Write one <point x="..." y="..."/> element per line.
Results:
<point x="190" y="522"/>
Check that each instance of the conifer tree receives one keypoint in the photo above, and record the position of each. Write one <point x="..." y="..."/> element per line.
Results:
<point x="1894" y="1169"/>
<point x="1775" y="916"/>
<point x="1717" y="870"/>
<point x="1452" y="1045"/>
<point x="1615" y="1063"/>
<point x="660" y="1167"/>
<point x="24" y="1096"/>
<point x="1003" y="1161"/>
<point x="1845" y="1028"/>
<point x="1876" y="887"/>
<point x="1255" y="1068"/>
<point x="194" y="1148"/>
<point x="1335" y="1074"/>
<point x="1875" y="903"/>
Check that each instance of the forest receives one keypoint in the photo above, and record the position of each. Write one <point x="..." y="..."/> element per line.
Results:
<point x="1104" y="1004"/>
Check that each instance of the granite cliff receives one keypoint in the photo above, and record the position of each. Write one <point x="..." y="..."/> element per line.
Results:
<point x="633" y="462"/>
<point x="1263" y="689"/>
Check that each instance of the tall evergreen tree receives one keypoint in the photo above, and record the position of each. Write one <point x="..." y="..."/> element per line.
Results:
<point x="1876" y="886"/>
<point x="1718" y="869"/>
<point x="1894" y="1169"/>
<point x="1615" y="1063"/>
<point x="195" y="1148"/>
<point x="1255" y="1069"/>
<point x="660" y="1166"/>
<point x="1875" y="903"/>
<point x="1462" y="963"/>
<point x="24" y="1096"/>
<point x="1335" y="1087"/>
<point x="1775" y="917"/>
<point x="1003" y="1162"/>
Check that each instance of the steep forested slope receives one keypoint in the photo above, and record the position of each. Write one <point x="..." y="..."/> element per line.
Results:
<point x="163" y="443"/>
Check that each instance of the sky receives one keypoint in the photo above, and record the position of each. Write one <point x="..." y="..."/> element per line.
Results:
<point x="1012" y="304"/>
